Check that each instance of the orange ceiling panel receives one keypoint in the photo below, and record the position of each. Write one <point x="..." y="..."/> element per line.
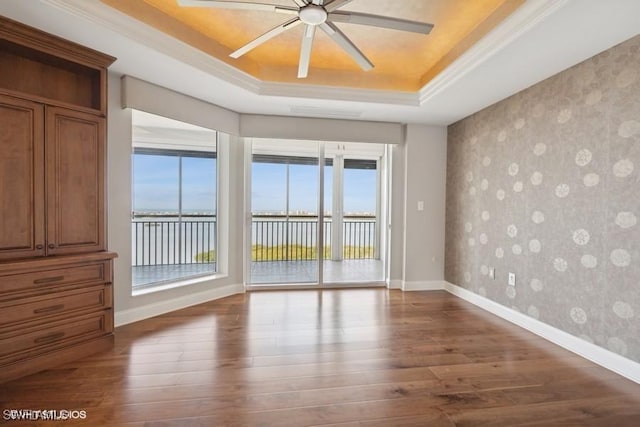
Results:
<point x="403" y="61"/>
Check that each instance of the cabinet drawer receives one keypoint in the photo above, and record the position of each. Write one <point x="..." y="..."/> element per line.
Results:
<point x="92" y="273"/>
<point x="97" y="297"/>
<point x="38" y="340"/>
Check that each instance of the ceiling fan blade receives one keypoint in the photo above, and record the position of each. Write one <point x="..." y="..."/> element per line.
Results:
<point x="266" y="36"/>
<point x="242" y="5"/>
<point x="305" y="51"/>
<point x="301" y="3"/>
<point x="346" y="44"/>
<point x="381" y="21"/>
<point x="336" y="4"/>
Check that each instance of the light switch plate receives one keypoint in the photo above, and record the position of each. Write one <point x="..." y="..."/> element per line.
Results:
<point x="512" y="279"/>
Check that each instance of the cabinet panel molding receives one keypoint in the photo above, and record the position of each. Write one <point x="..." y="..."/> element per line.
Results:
<point x="21" y="178"/>
<point x="75" y="182"/>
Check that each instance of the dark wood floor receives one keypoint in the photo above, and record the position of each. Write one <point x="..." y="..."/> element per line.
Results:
<point x="366" y="357"/>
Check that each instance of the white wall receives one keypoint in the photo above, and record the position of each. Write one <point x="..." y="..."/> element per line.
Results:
<point x="417" y="244"/>
<point x="130" y="308"/>
<point x="396" y="250"/>
<point x="259" y="126"/>
<point x="425" y="161"/>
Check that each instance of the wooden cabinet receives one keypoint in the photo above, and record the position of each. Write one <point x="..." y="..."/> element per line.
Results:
<point x="56" y="278"/>
<point x="54" y="163"/>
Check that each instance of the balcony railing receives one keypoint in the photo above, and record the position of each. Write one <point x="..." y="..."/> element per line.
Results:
<point x="168" y="241"/>
<point x="276" y="238"/>
<point x="282" y="238"/>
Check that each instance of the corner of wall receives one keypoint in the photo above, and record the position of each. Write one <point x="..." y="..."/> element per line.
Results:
<point x="424" y="204"/>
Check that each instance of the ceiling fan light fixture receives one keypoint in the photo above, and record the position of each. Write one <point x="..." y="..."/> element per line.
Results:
<point x="313" y="15"/>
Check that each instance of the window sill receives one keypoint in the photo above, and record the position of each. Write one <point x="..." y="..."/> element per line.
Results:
<point x="164" y="286"/>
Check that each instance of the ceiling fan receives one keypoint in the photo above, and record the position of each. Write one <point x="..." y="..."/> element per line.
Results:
<point x="315" y="14"/>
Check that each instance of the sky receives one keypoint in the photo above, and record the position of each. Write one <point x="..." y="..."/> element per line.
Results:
<point x="269" y="188"/>
<point x="156" y="186"/>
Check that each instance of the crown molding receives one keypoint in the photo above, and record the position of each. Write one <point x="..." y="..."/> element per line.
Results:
<point x="520" y="22"/>
<point x="294" y="90"/>
<point x="104" y="16"/>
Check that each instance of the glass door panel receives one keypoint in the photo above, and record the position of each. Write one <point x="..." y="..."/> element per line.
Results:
<point x="356" y="198"/>
<point x="284" y="219"/>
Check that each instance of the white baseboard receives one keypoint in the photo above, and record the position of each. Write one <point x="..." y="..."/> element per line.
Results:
<point x="601" y="356"/>
<point x="426" y="285"/>
<point x="395" y="284"/>
<point x="124" y="317"/>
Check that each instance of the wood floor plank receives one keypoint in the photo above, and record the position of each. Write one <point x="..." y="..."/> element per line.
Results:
<point x="361" y="357"/>
<point x="566" y="412"/>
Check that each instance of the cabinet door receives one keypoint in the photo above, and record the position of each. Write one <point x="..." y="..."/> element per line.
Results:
<point x="75" y="156"/>
<point x="21" y="178"/>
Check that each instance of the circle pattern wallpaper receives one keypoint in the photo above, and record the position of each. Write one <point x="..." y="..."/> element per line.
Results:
<point x="546" y="184"/>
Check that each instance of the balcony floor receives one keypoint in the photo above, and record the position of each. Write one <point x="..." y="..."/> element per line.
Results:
<point x="353" y="270"/>
<point x="269" y="272"/>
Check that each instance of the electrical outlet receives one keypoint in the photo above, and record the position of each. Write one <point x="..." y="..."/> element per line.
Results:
<point x="492" y="273"/>
<point x="512" y="279"/>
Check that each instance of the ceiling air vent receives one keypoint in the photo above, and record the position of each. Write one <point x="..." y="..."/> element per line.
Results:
<point x="325" y="112"/>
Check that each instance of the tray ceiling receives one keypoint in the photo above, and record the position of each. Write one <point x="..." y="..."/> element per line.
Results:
<point x="404" y="62"/>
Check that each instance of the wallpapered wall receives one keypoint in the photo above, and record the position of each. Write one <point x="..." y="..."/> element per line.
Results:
<point x="546" y="184"/>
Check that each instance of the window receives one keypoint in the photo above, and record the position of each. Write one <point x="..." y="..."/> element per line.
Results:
<point x="296" y="239"/>
<point x="174" y="199"/>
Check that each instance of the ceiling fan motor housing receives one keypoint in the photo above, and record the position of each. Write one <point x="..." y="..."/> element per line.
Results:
<point x="313" y="15"/>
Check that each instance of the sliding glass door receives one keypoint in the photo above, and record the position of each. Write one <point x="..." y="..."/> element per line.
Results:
<point x="316" y="225"/>
<point x="354" y="196"/>
<point x="284" y="217"/>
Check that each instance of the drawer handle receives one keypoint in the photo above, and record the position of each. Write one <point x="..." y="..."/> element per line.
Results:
<point x="49" y="338"/>
<point x="48" y="280"/>
<point x="48" y="309"/>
